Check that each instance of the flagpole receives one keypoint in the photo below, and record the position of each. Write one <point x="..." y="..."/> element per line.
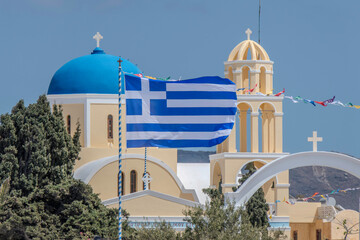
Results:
<point x="259" y="19"/>
<point x="120" y="150"/>
<point x="145" y="173"/>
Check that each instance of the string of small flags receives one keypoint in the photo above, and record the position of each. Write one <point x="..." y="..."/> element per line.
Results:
<point x="330" y="101"/>
<point x="318" y="195"/>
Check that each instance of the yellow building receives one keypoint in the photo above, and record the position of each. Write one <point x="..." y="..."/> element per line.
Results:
<point x="87" y="89"/>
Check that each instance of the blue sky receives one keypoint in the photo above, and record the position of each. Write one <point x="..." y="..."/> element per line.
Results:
<point x="314" y="44"/>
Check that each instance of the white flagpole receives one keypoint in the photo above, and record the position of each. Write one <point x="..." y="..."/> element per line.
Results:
<point x="120" y="150"/>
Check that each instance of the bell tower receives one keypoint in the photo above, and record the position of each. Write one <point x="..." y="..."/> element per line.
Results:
<point x="257" y="134"/>
<point x="251" y="69"/>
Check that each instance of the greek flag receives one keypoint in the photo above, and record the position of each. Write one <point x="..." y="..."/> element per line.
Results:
<point x="196" y="112"/>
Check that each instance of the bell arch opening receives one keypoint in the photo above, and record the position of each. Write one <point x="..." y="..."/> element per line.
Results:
<point x="217" y="176"/>
<point x="244" y="134"/>
<point x="245" y="77"/>
<point x="267" y="128"/>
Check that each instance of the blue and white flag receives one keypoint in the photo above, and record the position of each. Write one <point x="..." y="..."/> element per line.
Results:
<point x="196" y="112"/>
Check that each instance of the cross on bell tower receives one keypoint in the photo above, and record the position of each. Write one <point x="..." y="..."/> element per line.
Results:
<point x="248" y="32"/>
<point x="97" y="37"/>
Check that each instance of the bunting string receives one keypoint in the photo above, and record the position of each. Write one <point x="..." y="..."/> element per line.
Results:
<point x="297" y="99"/>
<point x="318" y="195"/>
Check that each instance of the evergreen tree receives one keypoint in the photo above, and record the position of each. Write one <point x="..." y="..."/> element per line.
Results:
<point x="256" y="207"/>
<point x="35" y="148"/>
<point x="217" y="221"/>
<point x="44" y="201"/>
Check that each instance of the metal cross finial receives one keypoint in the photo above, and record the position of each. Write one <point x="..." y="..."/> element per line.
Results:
<point x="315" y="139"/>
<point x="146" y="179"/>
<point x="97" y="37"/>
<point x="248" y="33"/>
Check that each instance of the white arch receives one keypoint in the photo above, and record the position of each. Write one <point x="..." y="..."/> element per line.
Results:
<point x="240" y="102"/>
<point x="87" y="171"/>
<point x="245" y="65"/>
<point x="254" y="160"/>
<point x="272" y="104"/>
<point x="304" y="159"/>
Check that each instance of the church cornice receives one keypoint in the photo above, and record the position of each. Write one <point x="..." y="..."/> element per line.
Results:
<point x="242" y="97"/>
<point x="247" y="155"/>
<point x="153" y="194"/>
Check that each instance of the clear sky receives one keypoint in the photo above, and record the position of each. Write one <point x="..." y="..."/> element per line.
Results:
<point x="314" y="44"/>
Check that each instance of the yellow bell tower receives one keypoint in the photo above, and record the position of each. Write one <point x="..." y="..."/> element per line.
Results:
<point x="257" y="133"/>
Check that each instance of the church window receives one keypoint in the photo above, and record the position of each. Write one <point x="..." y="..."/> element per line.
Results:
<point x="68" y="124"/>
<point x="295" y="235"/>
<point x="122" y="184"/>
<point x="110" y="126"/>
<point x="133" y="179"/>
<point x="318" y="234"/>
<point x="144" y="183"/>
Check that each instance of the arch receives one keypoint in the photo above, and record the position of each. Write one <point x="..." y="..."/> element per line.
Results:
<point x="217" y="175"/>
<point x="303" y="159"/>
<point x="267" y="102"/>
<point x="246" y="163"/>
<point x="68" y="124"/>
<point x="245" y="103"/>
<point x="133" y="181"/>
<point x="110" y="127"/>
<point x="263" y="162"/>
<point x="86" y="172"/>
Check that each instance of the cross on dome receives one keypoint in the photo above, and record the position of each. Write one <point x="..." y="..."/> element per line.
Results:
<point x="315" y="139"/>
<point x="97" y="37"/>
<point x="146" y="179"/>
<point x="248" y="33"/>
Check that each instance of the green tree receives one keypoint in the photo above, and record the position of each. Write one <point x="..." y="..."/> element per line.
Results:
<point x="35" y="148"/>
<point x="217" y="221"/>
<point x="348" y="229"/>
<point x="256" y="207"/>
<point x="44" y="201"/>
<point x="4" y="190"/>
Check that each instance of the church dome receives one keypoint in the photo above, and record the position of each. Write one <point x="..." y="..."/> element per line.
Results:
<point x="240" y="52"/>
<point x="95" y="73"/>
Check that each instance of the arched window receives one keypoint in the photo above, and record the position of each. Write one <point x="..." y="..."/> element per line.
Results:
<point x="133" y="179"/>
<point x="245" y="77"/>
<point x="110" y="127"/>
<point x="68" y="124"/>
<point x="144" y="183"/>
<point x="122" y="184"/>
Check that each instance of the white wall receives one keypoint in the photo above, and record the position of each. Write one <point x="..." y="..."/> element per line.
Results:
<point x="195" y="176"/>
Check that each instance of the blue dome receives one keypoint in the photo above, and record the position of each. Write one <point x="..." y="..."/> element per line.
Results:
<point x="95" y="73"/>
